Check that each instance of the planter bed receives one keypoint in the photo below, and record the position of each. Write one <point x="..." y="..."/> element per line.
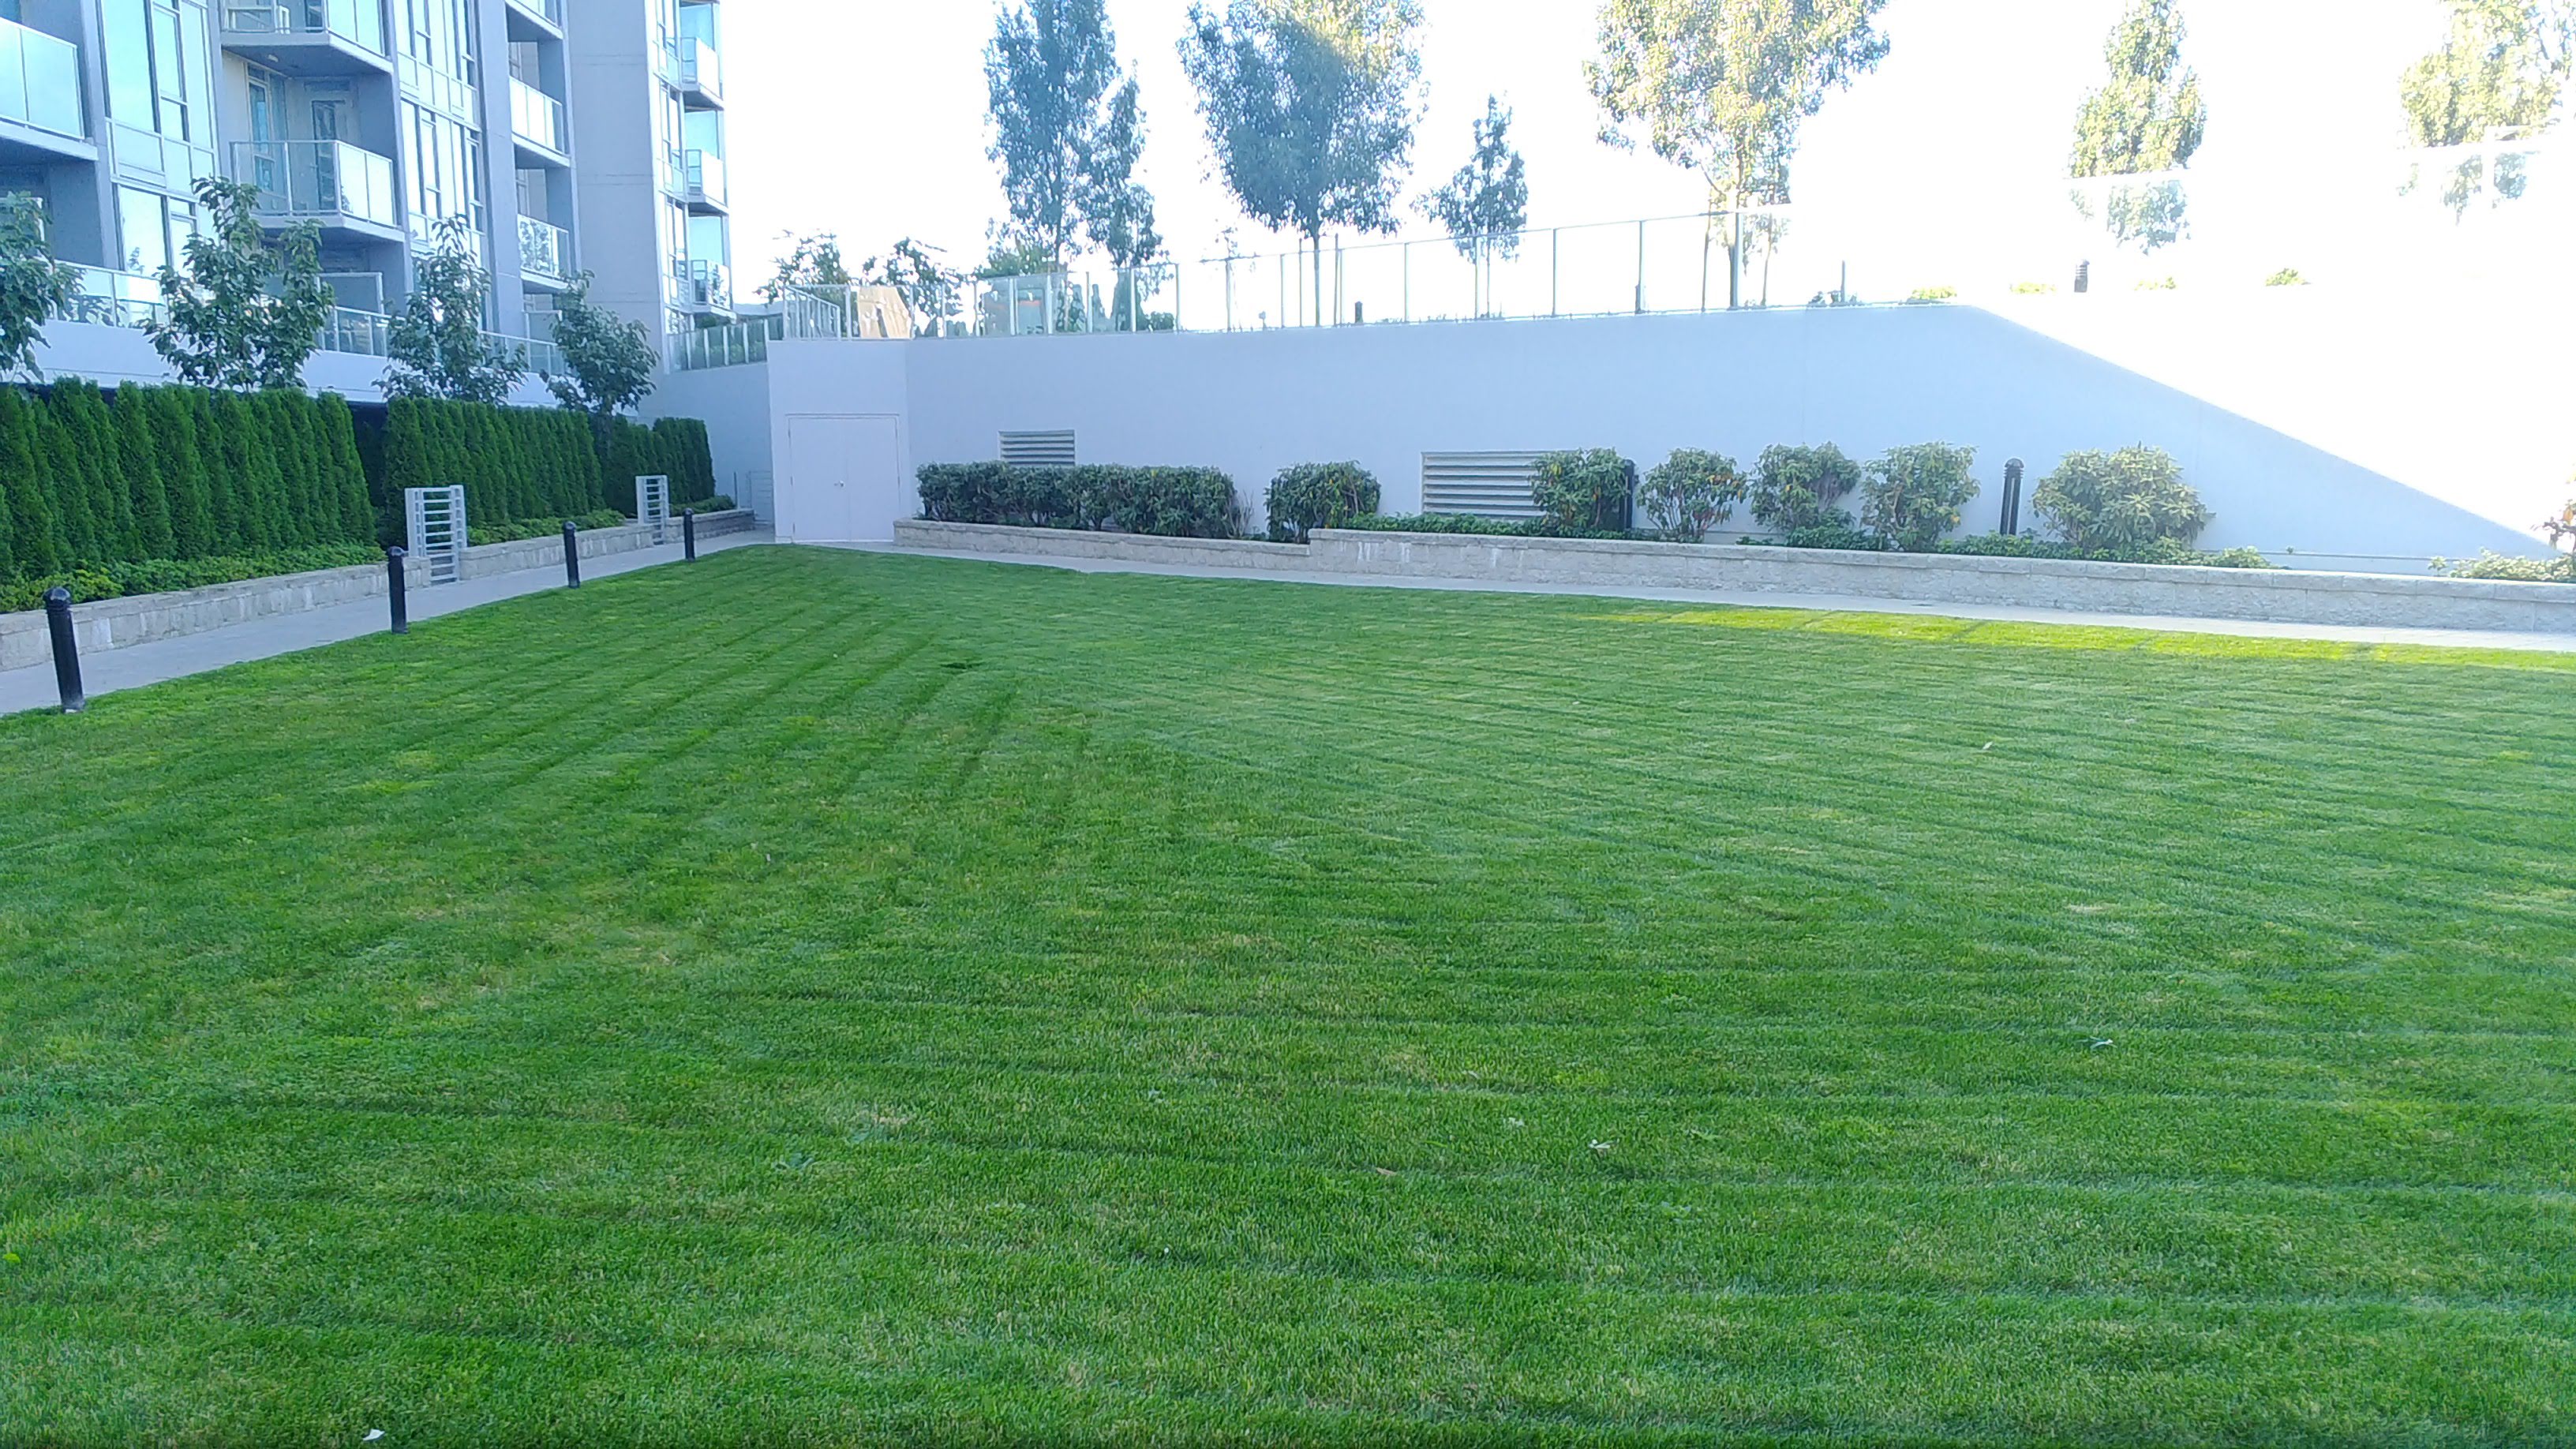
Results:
<point x="144" y="618"/>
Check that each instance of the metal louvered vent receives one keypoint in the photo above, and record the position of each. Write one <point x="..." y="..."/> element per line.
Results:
<point x="1039" y="450"/>
<point x="1488" y="485"/>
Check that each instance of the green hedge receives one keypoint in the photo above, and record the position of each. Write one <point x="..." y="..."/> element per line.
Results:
<point x="1171" y="502"/>
<point x="673" y="447"/>
<point x="172" y="473"/>
<point x="514" y="463"/>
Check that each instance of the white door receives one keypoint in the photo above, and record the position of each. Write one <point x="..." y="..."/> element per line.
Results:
<point x="844" y="480"/>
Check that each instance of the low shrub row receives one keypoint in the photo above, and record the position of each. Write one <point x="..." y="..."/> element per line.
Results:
<point x="1170" y="502"/>
<point x="479" y="534"/>
<point x="527" y="464"/>
<point x="90" y="583"/>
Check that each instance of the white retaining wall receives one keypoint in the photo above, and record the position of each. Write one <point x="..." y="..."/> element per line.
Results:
<point x="143" y="618"/>
<point x="2282" y="596"/>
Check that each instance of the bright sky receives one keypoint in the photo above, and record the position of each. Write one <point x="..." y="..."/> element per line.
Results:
<point x="866" y="117"/>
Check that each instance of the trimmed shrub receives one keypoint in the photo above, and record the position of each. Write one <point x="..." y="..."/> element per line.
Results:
<point x="1914" y="494"/>
<point x="1835" y="532"/>
<point x="514" y="463"/>
<point x="2120" y="503"/>
<point x="1592" y="491"/>
<point x="1796" y="488"/>
<point x="2022" y="545"/>
<point x="1459" y="523"/>
<point x="1690" y="493"/>
<point x="1319" y="495"/>
<point x="1170" y="502"/>
<point x="92" y="583"/>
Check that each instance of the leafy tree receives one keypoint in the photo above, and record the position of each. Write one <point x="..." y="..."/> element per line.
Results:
<point x="928" y="288"/>
<point x="1067" y="131"/>
<point x="1587" y="492"/>
<point x="1797" y="488"/>
<point x="35" y="527"/>
<point x="1310" y="106"/>
<point x="609" y="360"/>
<point x="1486" y="204"/>
<point x="1722" y="86"/>
<point x="812" y="261"/>
<point x="438" y="346"/>
<point x="1914" y="494"/>
<point x="33" y="286"/>
<point x="244" y="314"/>
<point x="2120" y="503"/>
<point x="2148" y="119"/>
<point x="1690" y="493"/>
<point x="2501" y="76"/>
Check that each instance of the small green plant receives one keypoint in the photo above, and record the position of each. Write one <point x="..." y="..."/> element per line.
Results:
<point x="2493" y="565"/>
<point x="1835" y="532"/>
<point x="1587" y="492"/>
<point x="2120" y="503"/>
<point x="2286" y="277"/>
<point x="1319" y="495"/>
<point x="2034" y="289"/>
<point x="1914" y="494"/>
<point x="1926" y="295"/>
<point x="1690" y="493"/>
<point x="1795" y="488"/>
<point x="1456" y="523"/>
<point x="2159" y="284"/>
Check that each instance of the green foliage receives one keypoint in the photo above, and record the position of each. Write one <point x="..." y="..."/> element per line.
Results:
<point x="2499" y="77"/>
<point x="437" y="346"/>
<point x="811" y="261"/>
<point x="609" y="360"/>
<point x="1171" y="502"/>
<point x="1925" y="295"/>
<point x="1067" y="131"/>
<point x="928" y="286"/>
<point x="244" y="313"/>
<point x="1310" y="108"/>
<point x="91" y="583"/>
<point x="1589" y="491"/>
<point x="526" y="528"/>
<point x="1456" y="523"/>
<point x="1914" y="494"/>
<point x="1486" y="204"/>
<point x="1319" y="495"/>
<point x="2286" y="277"/>
<point x="720" y="503"/>
<point x="1834" y="531"/>
<point x="33" y="286"/>
<point x="2148" y="119"/>
<point x="2034" y="289"/>
<point x="2120" y="503"/>
<point x="1690" y="493"/>
<point x="1796" y="487"/>
<point x="2162" y="551"/>
<point x="513" y="463"/>
<point x="2493" y="565"/>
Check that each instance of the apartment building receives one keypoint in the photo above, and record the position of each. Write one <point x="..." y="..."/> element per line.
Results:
<point x="379" y="121"/>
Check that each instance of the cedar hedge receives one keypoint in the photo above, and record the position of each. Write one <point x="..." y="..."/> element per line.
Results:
<point x="1171" y="502"/>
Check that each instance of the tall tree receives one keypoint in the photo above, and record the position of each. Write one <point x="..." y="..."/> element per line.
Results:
<point x="1311" y="107"/>
<point x="927" y="286"/>
<point x="811" y="261"/>
<point x="243" y="314"/>
<point x="2149" y="119"/>
<point x="33" y="286"/>
<point x="1486" y="204"/>
<point x="608" y="361"/>
<point x="2501" y="76"/>
<point x="438" y="345"/>
<point x="1067" y="129"/>
<point x="1722" y="86"/>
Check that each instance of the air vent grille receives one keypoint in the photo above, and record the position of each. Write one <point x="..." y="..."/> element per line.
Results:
<point x="1488" y="485"/>
<point x="1038" y="450"/>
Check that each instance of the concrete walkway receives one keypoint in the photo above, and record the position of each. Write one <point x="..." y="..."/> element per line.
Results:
<point x="115" y="669"/>
<point x="2240" y="628"/>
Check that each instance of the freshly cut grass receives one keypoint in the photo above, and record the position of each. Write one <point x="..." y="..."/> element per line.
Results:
<point x="812" y="997"/>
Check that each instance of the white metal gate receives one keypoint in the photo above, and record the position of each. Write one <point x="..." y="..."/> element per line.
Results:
<point x="653" y="505"/>
<point x="437" y="528"/>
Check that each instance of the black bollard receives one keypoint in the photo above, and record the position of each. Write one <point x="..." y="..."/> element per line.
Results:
<point x="688" y="535"/>
<point x="572" y="557"/>
<point x="395" y="559"/>
<point x="58" y="619"/>
<point x="2012" y="497"/>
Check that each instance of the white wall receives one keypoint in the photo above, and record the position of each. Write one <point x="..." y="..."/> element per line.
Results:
<point x="734" y="404"/>
<point x="112" y="355"/>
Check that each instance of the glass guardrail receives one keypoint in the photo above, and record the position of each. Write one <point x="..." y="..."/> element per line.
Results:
<point x="703" y="177"/>
<point x="359" y="22"/>
<point x="545" y="249"/>
<point x="539" y="117"/>
<point x="701" y="68"/>
<point x="319" y="181"/>
<point x="40" y="81"/>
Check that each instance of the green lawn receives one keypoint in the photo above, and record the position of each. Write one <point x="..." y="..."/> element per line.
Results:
<point x="812" y="997"/>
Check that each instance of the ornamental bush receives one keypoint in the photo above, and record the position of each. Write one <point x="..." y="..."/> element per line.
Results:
<point x="2120" y="503"/>
<point x="1171" y="502"/>
<point x="1690" y="493"/>
<point x="1592" y="491"/>
<point x="1795" y="488"/>
<point x="1319" y="495"/>
<point x="1914" y="494"/>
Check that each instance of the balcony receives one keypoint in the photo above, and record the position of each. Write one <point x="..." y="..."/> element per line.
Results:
<point x="545" y="253"/>
<point x="539" y="122"/>
<point x="548" y="13"/>
<point x="348" y="191"/>
<point x="41" y="117"/>
<point x="705" y="288"/>
<point x="702" y="182"/>
<point x="700" y="74"/>
<point x="310" y="37"/>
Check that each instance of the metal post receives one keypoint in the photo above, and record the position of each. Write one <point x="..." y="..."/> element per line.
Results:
<point x="572" y="557"/>
<point x="58" y="620"/>
<point x="396" y="560"/>
<point x="1337" y="281"/>
<point x="2012" y="497"/>
<point x="1555" y="267"/>
<point x="1641" y="269"/>
<point x="688" y="535"/>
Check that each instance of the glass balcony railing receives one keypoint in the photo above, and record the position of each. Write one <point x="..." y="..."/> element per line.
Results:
<point x="539" y="117"/>
<point x="701" y="68"/>
<point x="549" y="11"/>
<point x="359" y="22"/>
<point x="318" y="181"/>
<point x="703" y="286"/>
<point x="545" y="250"/>
<point x="40" y="81"/>
<point x="703" y="177"/>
